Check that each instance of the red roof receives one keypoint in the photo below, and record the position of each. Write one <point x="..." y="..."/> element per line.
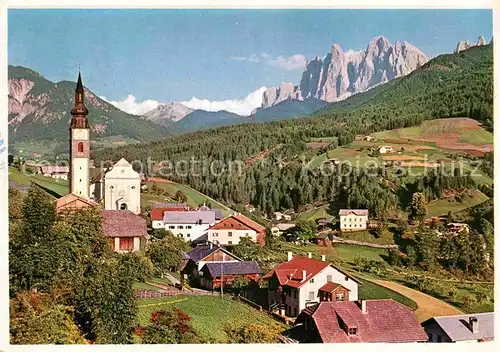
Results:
<point x="331" y="287"/>
<point x="123" y="223"/>
<point x="385" y="320"/>
<point x="156" y="214"/>
<point x="290" y="273"/>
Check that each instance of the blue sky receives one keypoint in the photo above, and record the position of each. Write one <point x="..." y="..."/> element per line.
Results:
<point x="173" y="55"/>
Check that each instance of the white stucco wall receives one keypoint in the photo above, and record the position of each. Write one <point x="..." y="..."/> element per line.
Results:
<point x="80" y="177"/>
<point x="222" y="236"/>
<point x="194" y="232"/>
<point x="353" y="222"/>
<point x="320" y="279"/>
<point x="122" y="185"/>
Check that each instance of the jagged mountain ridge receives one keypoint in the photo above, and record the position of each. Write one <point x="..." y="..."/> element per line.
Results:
<point x="169" y="113"/>
<point x="464" y="45"/>
<point x="40" y="110"/>
<point x="341" y="74"/>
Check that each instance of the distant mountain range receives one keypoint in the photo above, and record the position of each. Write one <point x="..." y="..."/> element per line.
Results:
<point x="341" y="74"/>
<point x="39" y="109"/>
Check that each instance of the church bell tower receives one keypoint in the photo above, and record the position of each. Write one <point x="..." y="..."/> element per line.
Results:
<point x="79" y="147"/>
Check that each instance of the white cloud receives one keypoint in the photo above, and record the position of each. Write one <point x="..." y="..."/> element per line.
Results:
<point x="132" y="106"/>
<point x="241" y="107"/>
<point x="291" y="63"/>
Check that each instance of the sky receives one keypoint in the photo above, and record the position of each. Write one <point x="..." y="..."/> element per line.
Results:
<point x="213" y="59"/>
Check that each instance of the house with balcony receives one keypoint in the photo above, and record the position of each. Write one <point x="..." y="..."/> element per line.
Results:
<point x="303" y="281"/>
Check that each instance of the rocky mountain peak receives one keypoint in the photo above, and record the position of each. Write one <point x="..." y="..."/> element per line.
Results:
<point x="464" y="45"/>
<point x="168" y="112"/>
<point x="343" y="73"/>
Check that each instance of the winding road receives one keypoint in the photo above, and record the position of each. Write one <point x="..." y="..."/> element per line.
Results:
<point x="428" y="306"/>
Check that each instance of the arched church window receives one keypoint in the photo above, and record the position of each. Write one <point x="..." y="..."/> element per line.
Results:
<point x="133" y="187"/>
<point x="123" y="206"/>
<point x="80" y="147"/>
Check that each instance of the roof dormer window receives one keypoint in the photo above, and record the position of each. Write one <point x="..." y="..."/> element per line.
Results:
<point x="352" y="331"/>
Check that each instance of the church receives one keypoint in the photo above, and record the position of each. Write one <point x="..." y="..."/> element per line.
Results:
<point x="116" y="189"/>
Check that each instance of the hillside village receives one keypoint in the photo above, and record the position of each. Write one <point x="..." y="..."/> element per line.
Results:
<point x="284" y="267"/>
<point x="354" y="208"/>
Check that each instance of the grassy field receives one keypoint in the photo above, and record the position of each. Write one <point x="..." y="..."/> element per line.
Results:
<point x="57" y="186"/>
<point x="442" y="206"/>
<point x="314" y="214"/>
<point x="194" y="198"/>
<point x="209" y="313"/>
<point x="370" y="290"/>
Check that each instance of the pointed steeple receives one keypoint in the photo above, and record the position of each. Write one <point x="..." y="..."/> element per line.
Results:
<point x="79" y="110"/>
<point x="79" y="85"/>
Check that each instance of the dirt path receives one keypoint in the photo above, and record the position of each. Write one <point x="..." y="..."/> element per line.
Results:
<point x="428" y="306"/>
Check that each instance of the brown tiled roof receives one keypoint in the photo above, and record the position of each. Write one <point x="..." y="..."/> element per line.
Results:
<point x="70" y="197"/>
<point x="55" y="169"/>
<point x="123" y="223"/>
<point x="358" y="212"/>
<point x="385" y="320"/>
<point x="331" y="287"/>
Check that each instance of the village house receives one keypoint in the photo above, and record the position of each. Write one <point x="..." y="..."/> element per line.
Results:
<point x="159" y="209"/>
<point x="284" y="227"/>
<point x="378" y="320"/>
<point x="204" y="253"/>
<point x="215" y="274"/>
<point x="230" y="230"/>
<point x="478" y="327"/>
<point x="71" y="202"/>
<point x="386" y="149"/>
<point x="369" y="138"/>
<point x="457" y="227"/>
<point x="334" y="161"/>
<point x="353" y="219"/>
<point x="191" y="225"/>
<point x="124" y="230"/>
<point x="302" y="281"/>
<point x="277" y="216"/>
<point x="55" y="171"/>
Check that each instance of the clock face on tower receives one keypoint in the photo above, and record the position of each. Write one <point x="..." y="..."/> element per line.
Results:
<point x="80" y="134"/>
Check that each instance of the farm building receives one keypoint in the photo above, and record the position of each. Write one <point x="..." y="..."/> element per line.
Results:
<point x="477" y="327"/>
<point x="386" y="149"/>
<point x="277" y="216"/>
<point x="353" y="219"/>
<point x="73" y="202"/>
<point x="205" y="253"/>
<point x="457" y="227"/>
<point x="295" y="284"/>
<point x="231" y="229"/>
<point x="55" y="171"/>
<point x="124" y="230"/>
<point x="378" y="320"/>
<point x="213" y="274"/>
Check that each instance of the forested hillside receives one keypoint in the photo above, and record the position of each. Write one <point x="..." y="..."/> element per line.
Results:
<point x="447" y="86"/>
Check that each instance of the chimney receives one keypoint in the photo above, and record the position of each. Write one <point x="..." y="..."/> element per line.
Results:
<point x="363" y="305"/>
<point x="323" y="258"/>
<point x="309" y="255"/>
<point x="304" y="275"/>
<point x="474" y="325"/>
<point x="290" y="256"/>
